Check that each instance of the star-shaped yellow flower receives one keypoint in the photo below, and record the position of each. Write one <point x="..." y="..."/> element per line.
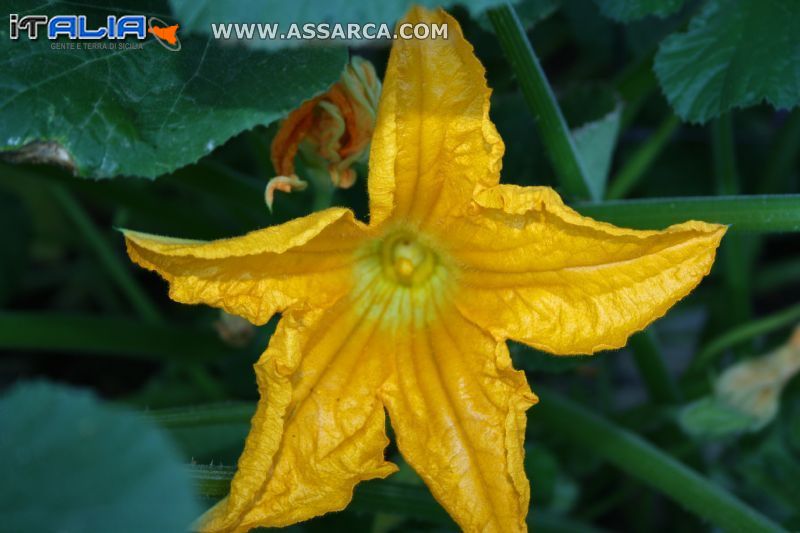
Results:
<point x="411" y="313"/>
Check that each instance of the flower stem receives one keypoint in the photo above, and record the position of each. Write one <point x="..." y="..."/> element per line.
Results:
<point x="642" y="159"/>
<point x="743" y="333"/>
<point x="203" y="415"/>
<point x="541" y="101"/>
<point x="760" y="214"/>
<point x="618" y="446"/>
<point x="102" y="249"/>
<point x="650" y="363"/>
<point x="649" y="464"/>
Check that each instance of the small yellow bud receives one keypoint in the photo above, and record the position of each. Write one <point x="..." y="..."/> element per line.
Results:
<point x="753" y="387"/>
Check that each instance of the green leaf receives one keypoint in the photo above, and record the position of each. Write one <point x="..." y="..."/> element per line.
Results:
<point x="630" y="10"/>
<point x="530" y="13"/>
<point x="712" y="419"/>
<point x="199" y="15"/>
<point x="145" y="112"/>
<point x="73" y="463"/>
<point x="595" y="142"/>
<point x="594" y="111"/>
<point x="736" y="53"/>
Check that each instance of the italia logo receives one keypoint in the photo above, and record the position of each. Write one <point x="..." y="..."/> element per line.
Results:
<point x="76" y="27"/>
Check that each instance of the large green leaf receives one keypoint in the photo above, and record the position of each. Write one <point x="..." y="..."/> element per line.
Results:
<point x="736" y="53"/>
<point x="72" y="463"/>
<point x="148" y="111"/>
<point x="199" y="15"/>
<point x="630" y="10"/>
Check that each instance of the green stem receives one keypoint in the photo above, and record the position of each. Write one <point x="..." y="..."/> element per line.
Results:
<point x="642" y="159"/>
<point x="389" y="497"/>
<point x="204" y="415"/>
<point x="323" y="192"/>
<point x="782" y="156"/>
<point x="650" y="363"/>
<point x="733" y="254"/>
<point x="106" y="336"/>
<point x="648" y="464"/>
<point x="624" y="449"/>
<point x="708" y="355"/>
<point x="100" y="246"/>
<point x="541" y="101"/>
<point x="760" y="214"/>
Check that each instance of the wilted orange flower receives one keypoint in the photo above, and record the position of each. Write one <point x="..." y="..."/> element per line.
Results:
<point x="332" y="131"/>
<point x="411" y="312"/>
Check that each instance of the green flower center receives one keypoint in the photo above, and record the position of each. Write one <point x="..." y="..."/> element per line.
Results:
<point x="407" y="261"/>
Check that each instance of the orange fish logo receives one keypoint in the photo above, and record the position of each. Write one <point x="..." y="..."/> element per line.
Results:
<point x="166" y="35"/>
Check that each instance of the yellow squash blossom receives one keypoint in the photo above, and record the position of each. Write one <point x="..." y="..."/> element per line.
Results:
<point x="411" y="312"/>
<point x="332" y="130"/>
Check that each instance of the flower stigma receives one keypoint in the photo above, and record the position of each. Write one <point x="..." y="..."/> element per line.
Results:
<point x="407" y="261"/>
<point x="401" y="277"/>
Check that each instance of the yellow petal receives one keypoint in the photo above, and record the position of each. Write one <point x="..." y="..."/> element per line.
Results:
<point x="320" y="427"/>
<point x="306" y="260"/>
<point x="458" y="409"/>
<point x="536" y="271"/>
<point x="434" y="144"/>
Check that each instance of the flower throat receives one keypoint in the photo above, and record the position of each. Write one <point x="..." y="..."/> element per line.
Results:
<point x="407" y="261"/>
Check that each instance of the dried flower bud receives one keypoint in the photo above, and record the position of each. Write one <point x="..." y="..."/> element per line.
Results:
<point x="332" y="131"/>
<point x="234" y="330"/>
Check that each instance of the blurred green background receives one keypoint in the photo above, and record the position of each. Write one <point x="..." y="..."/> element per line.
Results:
<point x="666" y="101"/>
